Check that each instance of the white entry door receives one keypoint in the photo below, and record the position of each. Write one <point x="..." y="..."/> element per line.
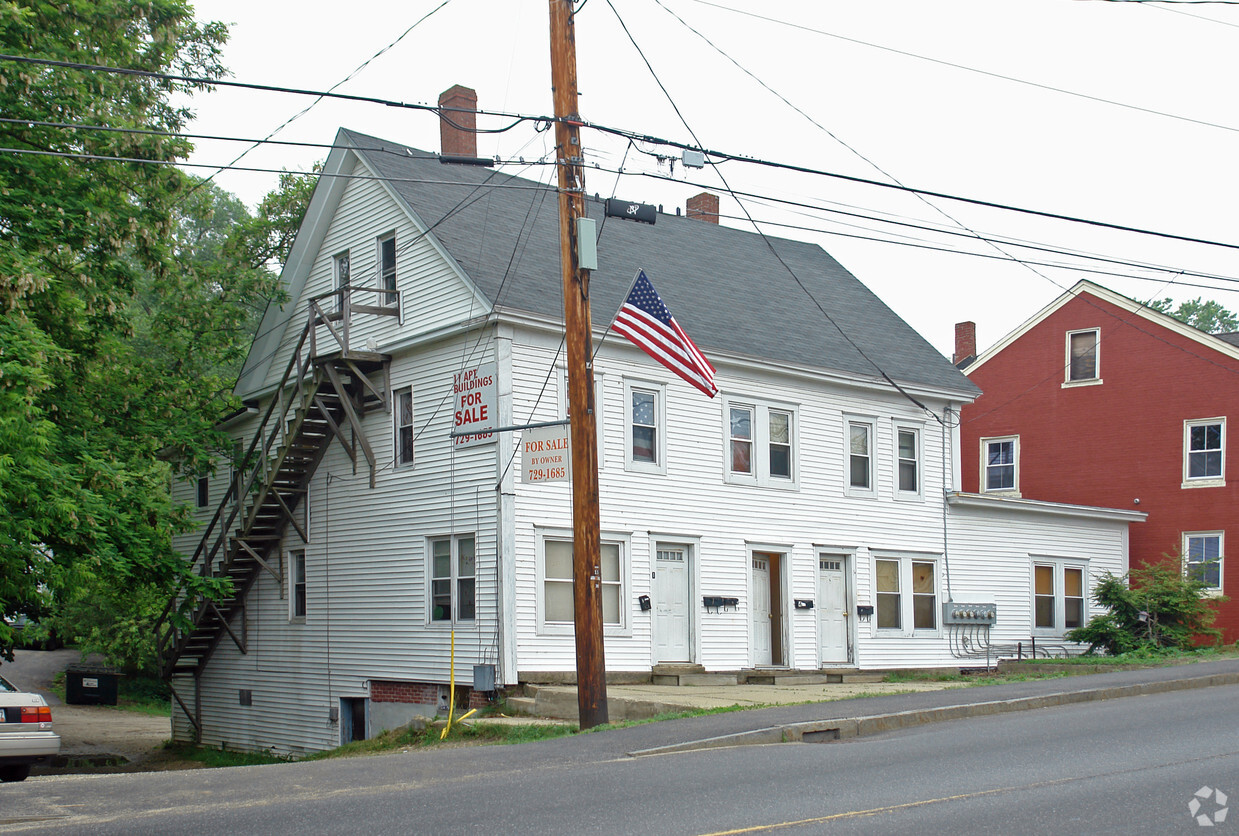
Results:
<point x="761" y="611"/>
<point x="672" y="626"/>
<point x="832" y="617"/>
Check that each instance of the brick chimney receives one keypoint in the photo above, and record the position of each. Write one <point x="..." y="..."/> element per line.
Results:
<point x="703" y="207"/>
<point x="457" y="137"/>
<point x="965" y="344"/>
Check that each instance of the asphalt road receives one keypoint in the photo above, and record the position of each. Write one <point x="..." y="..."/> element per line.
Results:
<point x="1117" y="766"/>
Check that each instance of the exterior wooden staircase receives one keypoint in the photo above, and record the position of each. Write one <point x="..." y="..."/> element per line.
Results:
<point x="320" y="395"/>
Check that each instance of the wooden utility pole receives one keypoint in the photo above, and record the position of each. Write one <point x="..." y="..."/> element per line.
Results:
<point x="578" y="343"/>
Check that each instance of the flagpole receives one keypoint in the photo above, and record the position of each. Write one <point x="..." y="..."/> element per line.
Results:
<point x="586" y="534"/>
<point x="615" y="316"/>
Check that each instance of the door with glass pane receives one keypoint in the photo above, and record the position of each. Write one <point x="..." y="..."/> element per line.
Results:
<point x="672" y="625"/>
<point x="760" y="608"/>
<point x="832" y="610"/>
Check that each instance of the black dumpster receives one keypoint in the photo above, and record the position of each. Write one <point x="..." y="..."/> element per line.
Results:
<point x="91" y="685"/>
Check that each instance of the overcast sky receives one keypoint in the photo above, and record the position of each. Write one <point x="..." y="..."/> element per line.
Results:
<point x="1119" y="112"/>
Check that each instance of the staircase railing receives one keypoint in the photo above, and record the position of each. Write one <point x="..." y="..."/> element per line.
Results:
<point x="261" y="460"/>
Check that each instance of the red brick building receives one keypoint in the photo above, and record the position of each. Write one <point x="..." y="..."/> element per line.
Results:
<point x="1098" y="400"/>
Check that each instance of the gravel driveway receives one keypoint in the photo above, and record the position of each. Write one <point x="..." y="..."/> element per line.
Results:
<point x="90" y="735"/>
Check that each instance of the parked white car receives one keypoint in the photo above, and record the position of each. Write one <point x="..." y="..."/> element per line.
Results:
<point x="26" y="735"/>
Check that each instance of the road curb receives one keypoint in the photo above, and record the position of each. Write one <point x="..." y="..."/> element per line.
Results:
<point x="822" y="731"/>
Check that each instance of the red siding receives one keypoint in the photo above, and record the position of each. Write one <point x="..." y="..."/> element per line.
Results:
<point x="1118" y="441"/>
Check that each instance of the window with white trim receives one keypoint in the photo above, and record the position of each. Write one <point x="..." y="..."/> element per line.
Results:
<point x="1000" y="464"/>
<point x="599" y="401"/>
<point x="387" y="269"/>
<point x="645" y="444"/>
<point x="453" y="574"/>
<point x="1204" y="453"/>
<point x="404" y="426"/>
<point x="1060" y="595"/>
<point x="906" y="593"/>
<point x="1083" y="356"/>
<point x="341" y="276"/>
<point x="907" y="461"/>
<point x="297" y="587"/>
<point x="860" y="471"/>
<point x="760" y="444"/>
<point x="1202" y="558"/>
<point x="557" y="607"/>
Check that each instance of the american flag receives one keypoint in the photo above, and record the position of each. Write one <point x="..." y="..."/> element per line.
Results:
<point x="645" y="320"/>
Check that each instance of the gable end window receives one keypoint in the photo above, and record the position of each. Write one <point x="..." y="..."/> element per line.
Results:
<point x="341" y="268"/>
<point x="1082" y="356"/>
<point x="1202" y="558"/>
<point x="1204" y="453"/>
<point x="1000" y="464"/>
<point x="387" y="270"/>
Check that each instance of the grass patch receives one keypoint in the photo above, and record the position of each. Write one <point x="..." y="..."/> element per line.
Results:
<point x="478" y="733"/>
<point x="1143" y="657"/>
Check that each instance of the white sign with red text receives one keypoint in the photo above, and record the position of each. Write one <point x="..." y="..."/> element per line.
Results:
<point x="545" y="456"/>
<point x="476" y="392"/>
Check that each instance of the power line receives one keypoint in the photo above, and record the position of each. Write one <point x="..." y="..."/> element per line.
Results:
<point x="1000" y="76"/>
<point x="639" y="137"/>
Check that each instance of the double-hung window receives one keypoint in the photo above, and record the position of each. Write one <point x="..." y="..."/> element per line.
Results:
<point x="1083" y="356"/>
<point x="453" y="572"/>
<point x="1060" y="596"/>
<point x="296" y="585"/>
<point x="557" y="607"/>
<point x="907" y="462"/>
<point x="342" y="280"/>
<point x="761" y="444"/>
<point x="1204" y="453"/>
<point x="860" y="475"/>
<point x="202" y="492"/>
<point x="644" y="435"/>
<point x="387" y="270"/>
<point x="1202" y="557"/>
<point x="404" y="426"/>
<point x="906" y="593"/>
<point x="1000" y="464"/>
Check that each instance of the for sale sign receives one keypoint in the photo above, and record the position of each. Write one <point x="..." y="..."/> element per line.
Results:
<point x="476" y="392"/>
<point x="544" y="455"/>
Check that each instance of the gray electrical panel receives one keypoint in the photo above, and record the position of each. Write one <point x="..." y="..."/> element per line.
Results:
<point x="977" y="614"/>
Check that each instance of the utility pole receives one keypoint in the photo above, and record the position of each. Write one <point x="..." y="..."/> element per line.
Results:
<point x="578" y="343"/>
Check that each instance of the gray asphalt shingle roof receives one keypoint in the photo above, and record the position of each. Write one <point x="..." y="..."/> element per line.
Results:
<point x="724" y="286"/>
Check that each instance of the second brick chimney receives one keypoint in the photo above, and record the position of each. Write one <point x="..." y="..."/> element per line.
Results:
<point x="965" y="344"/>
<point x="458" y="135"/>
<point x="703" y="207"/>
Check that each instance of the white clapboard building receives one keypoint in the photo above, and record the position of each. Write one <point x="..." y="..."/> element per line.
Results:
<point x="806" y="519"/>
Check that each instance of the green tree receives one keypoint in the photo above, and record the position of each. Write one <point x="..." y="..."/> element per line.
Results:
<point x="1207" y="316"/>
<point x="1153" y="607"/>
<point x="105" y="324"/>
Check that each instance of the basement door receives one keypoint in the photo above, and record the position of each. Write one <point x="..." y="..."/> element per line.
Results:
<point x="672" y="622"/>
<point x="832" y="610"/>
